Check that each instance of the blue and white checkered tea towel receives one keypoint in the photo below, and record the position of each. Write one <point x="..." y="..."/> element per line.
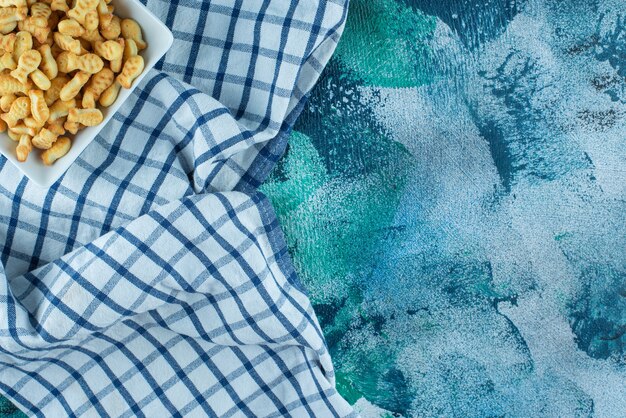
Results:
<point x="153" y="279"/>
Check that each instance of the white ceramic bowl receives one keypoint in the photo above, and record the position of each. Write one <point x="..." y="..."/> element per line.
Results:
<point x="159" y="39"/>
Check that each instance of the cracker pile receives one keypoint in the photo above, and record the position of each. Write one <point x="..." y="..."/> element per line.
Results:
<point x="59" y="61"/>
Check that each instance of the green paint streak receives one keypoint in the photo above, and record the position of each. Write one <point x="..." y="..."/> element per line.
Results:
<point x="333" y="225"/>
<point x="347" y="389"/>
<point x="305" y="173"/>
<point x="561" y="236"/>
<point x="384" y="43"/>
<point x="367" y="367"/>
<point x="7" y="410"/>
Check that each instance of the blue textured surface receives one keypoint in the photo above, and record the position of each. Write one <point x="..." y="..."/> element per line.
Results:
<point x="454" y="199"/>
